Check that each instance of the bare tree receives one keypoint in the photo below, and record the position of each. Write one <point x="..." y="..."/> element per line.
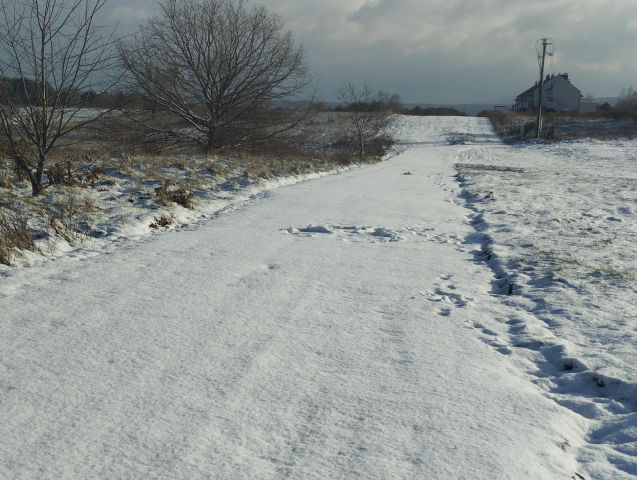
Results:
<point x="368" y="114"/>
<point x="223" y="67"/>
<point x="51" y="51"/>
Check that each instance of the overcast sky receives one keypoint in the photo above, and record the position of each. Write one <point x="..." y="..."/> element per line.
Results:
<point x="453" y="51"/>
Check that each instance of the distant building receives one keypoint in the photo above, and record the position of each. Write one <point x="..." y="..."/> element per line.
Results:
<point x="559" y="95"/>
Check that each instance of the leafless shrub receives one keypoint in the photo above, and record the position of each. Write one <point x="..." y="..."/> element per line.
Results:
<point x="14" y="236"/>
<point x="73" y="168"/>
<point x="6" y="182"/>
<point x="167" y="193"/>
<point x="68" y="217"/>
<point x="367" y="118"/>
<point x="52" y="49"/>
<point x="91" y="176"/>
<point x="162" y="222"/>
<point x="219" y="66"/>
<point x="62" y="174"/>
<point x="627" y="105"/>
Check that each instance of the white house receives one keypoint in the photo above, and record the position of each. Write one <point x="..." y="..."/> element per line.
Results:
<point x="559" y="95"/>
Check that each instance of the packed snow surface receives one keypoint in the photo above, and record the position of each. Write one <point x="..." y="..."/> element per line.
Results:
<point x="380" y="323"/>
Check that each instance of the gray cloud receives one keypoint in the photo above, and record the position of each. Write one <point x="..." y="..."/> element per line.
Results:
<point x="454" y="51"/>
<point x="127" y="14"/>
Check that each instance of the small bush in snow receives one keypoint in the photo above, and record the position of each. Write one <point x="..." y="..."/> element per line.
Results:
<point x="6" y="182"/>
<point x="162" y="221"/>
<point x="69" y="217"/>
<point x="14" y="236"/>
<point x="180" y="195"/>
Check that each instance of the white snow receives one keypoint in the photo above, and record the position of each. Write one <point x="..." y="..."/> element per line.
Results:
<point x="126" y="209"/>
<point x="558" y="226"/>
<point x="352" y="326"/>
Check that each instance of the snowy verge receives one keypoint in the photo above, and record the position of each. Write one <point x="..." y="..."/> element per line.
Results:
<point x="122" y="209"/>
<point x="556" y="225"/>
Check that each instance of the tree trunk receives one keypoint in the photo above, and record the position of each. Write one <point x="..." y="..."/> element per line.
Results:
<point x="36" y="185"/>
<point x="212" y="139"/>
<point x="36" y="178"/>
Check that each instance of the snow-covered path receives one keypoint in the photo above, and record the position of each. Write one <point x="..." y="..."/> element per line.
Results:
<point x="252" y="347"/>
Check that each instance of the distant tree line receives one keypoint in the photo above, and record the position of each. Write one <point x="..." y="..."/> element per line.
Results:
<point x="390" y="102"/>
<point x="367" y="100"/>
<point x="435" y="111"/>
<point x="24" y="90"/>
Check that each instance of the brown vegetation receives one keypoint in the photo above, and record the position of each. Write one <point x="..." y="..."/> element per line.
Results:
<point x="14" y="237"/>
<point x="162" y="221"/>
<point x="169" y="193"/>
<point x="520" y="126"/>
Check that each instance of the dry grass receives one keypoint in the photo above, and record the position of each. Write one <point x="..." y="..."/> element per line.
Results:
<point x="6" y="182"/>
<point x="162" y="222"/>
<point x="516" y="126"/>
<point x="217" y="169"/>
<point x="69" y="217"/>
<point x="14" y="237"/>
<point x="168" y="193"/>
<point x="508" y="124"/>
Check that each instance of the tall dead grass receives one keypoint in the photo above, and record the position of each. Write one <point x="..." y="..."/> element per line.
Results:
<point x="14" y="237"/>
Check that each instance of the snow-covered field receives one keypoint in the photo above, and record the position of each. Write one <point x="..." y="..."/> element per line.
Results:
<point x="456" y="312"/>
<point x="559" y="231"/>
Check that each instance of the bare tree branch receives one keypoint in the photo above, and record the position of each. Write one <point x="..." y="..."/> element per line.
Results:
<point x="220" y="65"/>
<point x="368" y="116"/>
<point x="51" y="51"/>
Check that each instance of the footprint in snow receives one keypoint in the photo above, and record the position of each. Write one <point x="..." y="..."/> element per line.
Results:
<point x="310" y="229"/>
<point x="449" y="297"/>
<point x="491" y="338"/>
<point x="624" y="210"/>
<point x="349" y="232"/>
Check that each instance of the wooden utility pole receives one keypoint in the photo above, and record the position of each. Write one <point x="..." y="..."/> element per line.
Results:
<point x="539" y="104"/>
<point x="545" y="42"/>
